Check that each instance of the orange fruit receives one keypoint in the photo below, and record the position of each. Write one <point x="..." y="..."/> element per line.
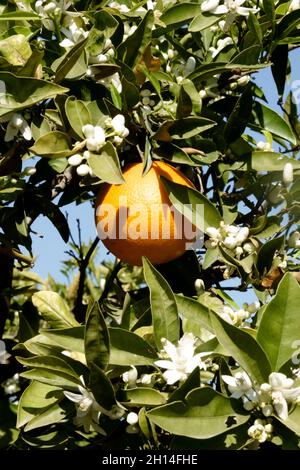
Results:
<point x="137" y="218"/>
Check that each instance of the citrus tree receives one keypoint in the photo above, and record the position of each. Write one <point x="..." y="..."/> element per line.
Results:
<point x="155" y="354"/>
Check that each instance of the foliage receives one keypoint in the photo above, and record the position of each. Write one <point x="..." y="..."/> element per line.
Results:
<point x="155" y="357"/>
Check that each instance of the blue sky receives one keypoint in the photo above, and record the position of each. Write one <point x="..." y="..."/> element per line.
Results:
<point x="49" y="250"/>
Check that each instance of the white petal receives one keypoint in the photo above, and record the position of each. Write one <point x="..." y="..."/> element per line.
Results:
<point x="220" y="10"/>
<point x="209" y="5"/>
<point x="66" y="43"/>
<point x="165" y="364"/>
<point x="88" y="130"/>
<point x="75" y="397"/>
<point x="229" y="380"/>
<point x="245" y="11"/>
<point x="26" y="131"/>
<point x="172" y="376"/>
<point x="282" y="409"/>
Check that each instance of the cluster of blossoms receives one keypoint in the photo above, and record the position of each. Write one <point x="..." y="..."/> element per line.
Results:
<point x="261" y="430"/>
<point x="88" y="411"/>
<point x="216" y="7"/>
<point x="232" y="237"/>
<point x="73" y="34"/>
<point x="274" y="396"/>
<point x="96" y="137"/>
<point x="238" y="317"/>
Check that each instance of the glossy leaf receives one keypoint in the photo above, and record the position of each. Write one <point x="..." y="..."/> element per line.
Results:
<point x="142" y="396"/>
<point x="78" y="114"/>
<point x="128" y="349"/>
<point x="53" y="309"/>
<point x="23" y="92"/>
<point x="194" y="311"/>
<point x="97" y="346"/>
<point x="106" y="165"/>
<point x="101" y="387"/>
<point x="204" y="414"/>
<point x="279" y="327"/>
<point x="53" y="144"/>
<point x="265" y="118"/>
<point x="35" y="398"/>
<point x="163" y="306"/>
<point x="193" y="205"/>
<point x="243" y="348"/>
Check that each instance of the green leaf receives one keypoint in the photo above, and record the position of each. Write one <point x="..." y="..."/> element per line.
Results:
<point x="206" y="71"/>
<point x="265" y="118"/>
<point x="54" y="414"/>
<point x="19" y="15"/>
<point x="97" y="348"/>
<point x="205" y="414"/>
<point x="101" y="387"/>
<point x="36" y="398"/>
<point x="203" y="21"/>
<point x="69" y="60"/>
<point x="165" y="317"/>
<point x="267" y="252"/>
<point x="57" y="379"/>
<point x="106" y="165"/>
<point x="23" y="92"/>
<point x="288" y="23"/>
<point x="183" y="128"/>
<point x="269" y="7"/>
<point x="51" y="363"/>
<point x="280" y="58"/>
<point x="293" y="421"/>
<point x="238" y="119"/>
<point x="255" y="28"/>
<point x="279" y="327"/>
<point x="131" y="50"/>
<point x="53" y="144"/>
<point x="14" y="50"/>
<point x="271" y="161"/>
<point x="194" y="311"/>
<point x="243" y="348"/>
<point x="78" y="114"/>
<point x="71" y="339"/>
<point x="142" y="396"/>
<point x="53" y="309"/>
<point x="179" y="13"/>
<point x="192" y="382"/>
<point x="128" y="349"/>
<point x="54" y="214"/>
<point x="193" y="205"/>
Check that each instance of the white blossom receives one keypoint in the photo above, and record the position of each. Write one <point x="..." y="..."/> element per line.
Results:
<point x="17" y="124"/>
<point x="95" y="137"/>
<point x="182" y="359"/>
<point x="239" y="384"/>
<point x="130" y="376"/>
<point x="73" y="35"/>
<point x="260" y="431"/>
<point x="229" y="6"/>
<point x="295" y="5"/>
<point x="287" y="175"/>
<point x="88" y="410"/>
<point x="221" y="44"/>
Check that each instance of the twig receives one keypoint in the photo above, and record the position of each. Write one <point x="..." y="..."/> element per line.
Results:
<point x="110" y="280"/>
<point x="78" y="308"/>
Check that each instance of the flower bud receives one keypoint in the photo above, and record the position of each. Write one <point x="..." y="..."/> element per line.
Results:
<point x="83" y="170"/>
<point x="30" y="171"/>
<point x="118" y="123"/>
<point x="288" y="176"/>
<point x="230" y="242"/>
<point x="75" y="160"/>
<point x="243" y="81"/>
<point x="132" y="418"/>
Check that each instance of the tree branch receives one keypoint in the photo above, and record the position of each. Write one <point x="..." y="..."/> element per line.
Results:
<point x="79" y="309"/>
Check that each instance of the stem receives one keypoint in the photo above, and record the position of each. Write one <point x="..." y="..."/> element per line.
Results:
<point x="110" y="280"/>
<point x="79" y="310"/>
